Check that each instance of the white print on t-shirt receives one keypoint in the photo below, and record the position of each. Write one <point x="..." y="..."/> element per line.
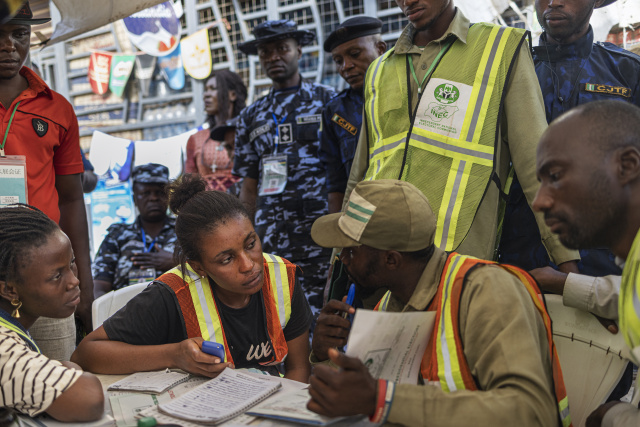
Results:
<point x="262" y="350"/>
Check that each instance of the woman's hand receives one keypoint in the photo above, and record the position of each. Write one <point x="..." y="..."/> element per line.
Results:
<point x="189" y="357"/>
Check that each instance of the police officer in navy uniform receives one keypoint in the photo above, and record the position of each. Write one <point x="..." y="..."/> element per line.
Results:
<point x="142" y="251"/>
<point x="353" y="45"/>
<point x="277" y="154"/>
<point x="572" y="70"/>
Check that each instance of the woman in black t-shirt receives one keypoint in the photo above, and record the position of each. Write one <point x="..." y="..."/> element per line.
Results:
<point x="218" y="250"/>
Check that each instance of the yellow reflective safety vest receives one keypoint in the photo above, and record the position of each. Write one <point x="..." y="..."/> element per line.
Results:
<point x="201" y="314"/>
<point x="447" y="146"/>
<point x="444" y="361"/>
<point x="629" y="301"/>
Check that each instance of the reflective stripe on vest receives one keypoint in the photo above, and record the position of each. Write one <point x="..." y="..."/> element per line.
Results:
<point x="453" y="133"/>
<point x="629" y="302"/>
<point x="444" y="360"/>
<point x="201" y="314"/>
<point x="282" y="294"/>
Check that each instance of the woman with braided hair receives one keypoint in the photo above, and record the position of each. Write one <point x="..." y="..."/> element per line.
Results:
<point x="38" y="277"/>
<point x="224" y="290"/>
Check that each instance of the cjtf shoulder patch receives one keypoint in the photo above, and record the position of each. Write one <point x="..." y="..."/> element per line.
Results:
<point x="344" y="124"/>
<point x="40" y="126"/>
<point x="610" y="90"/>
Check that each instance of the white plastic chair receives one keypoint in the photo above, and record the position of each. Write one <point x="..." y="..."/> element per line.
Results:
<point x="592" y="359"/>
<point x="105" y="306"/>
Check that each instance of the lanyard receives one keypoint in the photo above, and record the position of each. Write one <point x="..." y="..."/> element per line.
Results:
<point x="18" y="329"/>
<point x="6" y="133"/>
<point x="277" y="140"/>
<point x="443" y="50"/>
<point x="144" y="242"/>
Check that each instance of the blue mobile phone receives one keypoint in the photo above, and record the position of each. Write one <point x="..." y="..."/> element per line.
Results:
<point x="214" y="349"/>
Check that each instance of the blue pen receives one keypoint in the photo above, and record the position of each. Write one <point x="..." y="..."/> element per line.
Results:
<point x="350" y="297"/>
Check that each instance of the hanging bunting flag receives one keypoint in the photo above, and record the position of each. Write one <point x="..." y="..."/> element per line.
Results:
<point x="156" y="30"/>
<point x="145" y="64"/>
<point x="196" y="54"/>
<point x="99" y="70"/>
<point x="121" y="67"/>
<point x="172" y="69"/>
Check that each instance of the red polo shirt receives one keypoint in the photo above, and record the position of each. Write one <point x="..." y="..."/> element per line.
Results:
<point x="45" y="130"/>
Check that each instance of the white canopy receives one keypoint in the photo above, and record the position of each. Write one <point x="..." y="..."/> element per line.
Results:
<point x="78" y="17"/>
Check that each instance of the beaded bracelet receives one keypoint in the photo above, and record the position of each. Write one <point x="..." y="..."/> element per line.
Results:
<point x="384" y="397"/>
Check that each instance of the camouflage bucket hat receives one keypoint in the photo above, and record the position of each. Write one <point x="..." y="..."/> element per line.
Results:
<point x="151" y="173"/>
<point x="270" y="31"/>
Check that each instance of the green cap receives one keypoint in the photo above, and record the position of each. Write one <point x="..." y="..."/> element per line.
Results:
<point x="386" y="214"/>
<point x="147" y="422"/>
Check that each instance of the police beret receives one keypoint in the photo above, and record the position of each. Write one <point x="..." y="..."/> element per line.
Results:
<point x="352" y="28"/>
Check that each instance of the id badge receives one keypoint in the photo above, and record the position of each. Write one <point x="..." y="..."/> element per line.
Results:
<point x="274" y="175"/>
<point x="13" y="180"/>
<point x="141" y="275"/>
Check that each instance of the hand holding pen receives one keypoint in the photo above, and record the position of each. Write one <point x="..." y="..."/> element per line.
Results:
<point x="332" y="326"/>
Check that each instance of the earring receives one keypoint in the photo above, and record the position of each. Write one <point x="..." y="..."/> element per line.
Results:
<point x="17" y="304"/>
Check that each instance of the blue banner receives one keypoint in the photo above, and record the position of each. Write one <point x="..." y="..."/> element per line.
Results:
<point x="172" y="69"/>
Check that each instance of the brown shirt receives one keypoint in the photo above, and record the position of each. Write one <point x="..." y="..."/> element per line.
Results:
<point x="504" y="341"/>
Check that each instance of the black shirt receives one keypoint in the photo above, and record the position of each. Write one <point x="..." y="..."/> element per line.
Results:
<point x="154" y="317"/>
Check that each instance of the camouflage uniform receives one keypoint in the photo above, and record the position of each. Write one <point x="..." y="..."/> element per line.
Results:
<point x="113" y="261"/>
<point x="283" y="221"/>
<point x="569" y="75"/>
<point x="341" y="123"/>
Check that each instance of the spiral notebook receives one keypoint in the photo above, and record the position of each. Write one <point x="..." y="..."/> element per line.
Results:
<point x="150" y="382"/>
<point x="228" y="395"/>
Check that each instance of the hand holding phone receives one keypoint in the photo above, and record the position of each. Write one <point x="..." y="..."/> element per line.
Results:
<point x="214" y="349"/>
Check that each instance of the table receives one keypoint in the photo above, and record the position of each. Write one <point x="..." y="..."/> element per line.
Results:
<point x="109" y="418"/>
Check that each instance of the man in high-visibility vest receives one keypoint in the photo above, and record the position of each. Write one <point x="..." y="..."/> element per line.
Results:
<point x="589" y="169"/>
<point x="451" y="108"/>
<point x="490" y="360"/>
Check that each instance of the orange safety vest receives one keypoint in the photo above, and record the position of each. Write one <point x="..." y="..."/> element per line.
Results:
<point x="444" y="360"/>
<point x="200" y="311"/>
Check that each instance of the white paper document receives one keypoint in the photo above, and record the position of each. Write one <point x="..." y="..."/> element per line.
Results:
<point x="150" y="382"/>
<point x="127" y="407"/>
<point x="391" y="345"/>
<point x="229" y="394"/>
<point x="291" y="407"/>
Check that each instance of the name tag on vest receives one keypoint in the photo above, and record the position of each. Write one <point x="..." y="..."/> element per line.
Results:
<point x="340" y="121"/>
<point x="609" y="90"/>
<point x="311" y="118"/>
<point x="443" y="107"/>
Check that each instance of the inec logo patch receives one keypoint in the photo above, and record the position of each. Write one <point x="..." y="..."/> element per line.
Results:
<point x="443" y="108"/>
<point x="446" y="93"/>
<point x="40" y="126"/>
